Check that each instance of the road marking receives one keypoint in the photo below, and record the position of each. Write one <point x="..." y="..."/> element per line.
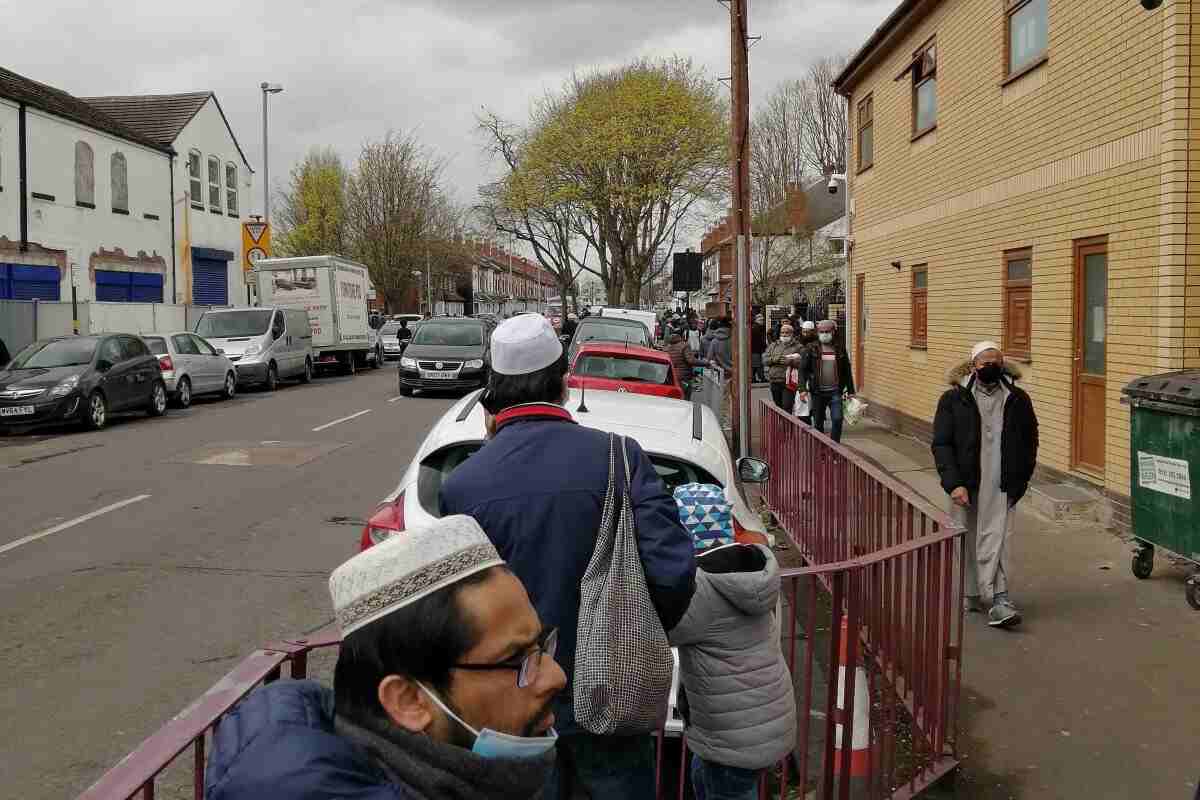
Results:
<point x="396" y="399"/>
<point x="320" y="428"/>
<point x="72" y="523"/>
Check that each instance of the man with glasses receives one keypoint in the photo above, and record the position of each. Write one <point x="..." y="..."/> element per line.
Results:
<point x="444" y="686"/>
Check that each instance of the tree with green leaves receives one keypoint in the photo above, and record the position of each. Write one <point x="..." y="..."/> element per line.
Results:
<point x="310" y="210"/>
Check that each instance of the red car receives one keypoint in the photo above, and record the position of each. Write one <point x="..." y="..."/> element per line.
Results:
<point x="618" y="367"/>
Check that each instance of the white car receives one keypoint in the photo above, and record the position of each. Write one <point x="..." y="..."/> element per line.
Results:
<point x="191" y="366"/>
<point x="682" y="439"/>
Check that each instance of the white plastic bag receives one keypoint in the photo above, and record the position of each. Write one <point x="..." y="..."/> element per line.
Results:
<point x="802" y="408"/>
<point x="854" y="412"/>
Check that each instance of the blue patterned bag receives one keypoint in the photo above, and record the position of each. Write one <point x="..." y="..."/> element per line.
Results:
<point x="706" y="514"/>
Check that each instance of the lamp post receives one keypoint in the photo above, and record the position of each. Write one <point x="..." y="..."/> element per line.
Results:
<point x="842" y="176"/>
<point x="267" y="88"/>
<point x="428" y="285"/>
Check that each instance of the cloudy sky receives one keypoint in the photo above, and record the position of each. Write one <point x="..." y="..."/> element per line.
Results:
<point x="352" y="69"/>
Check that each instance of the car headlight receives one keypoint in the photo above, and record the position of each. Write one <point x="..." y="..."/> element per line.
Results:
<point x="66" y="387"/>
<point x="253" y="348"/>
<point x="474" y="363"/>
<point x="408" y="363"/>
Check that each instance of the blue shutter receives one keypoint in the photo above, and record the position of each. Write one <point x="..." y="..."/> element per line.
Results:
<point x="5" y="283"/>
<point x="33" y="283"/>
<point x="112" y="287"/>
<point x="146" y="287"/>
<point x="210" y="282"/>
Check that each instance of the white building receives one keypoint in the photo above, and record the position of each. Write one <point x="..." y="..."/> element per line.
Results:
<point x="211" y="186"/>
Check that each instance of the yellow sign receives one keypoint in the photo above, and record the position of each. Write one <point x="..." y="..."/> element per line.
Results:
<point x="256" y="243"/>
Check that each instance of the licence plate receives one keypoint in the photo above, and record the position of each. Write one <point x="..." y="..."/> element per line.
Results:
<point x="16" y="411"/>
<point x="439" y="375"/>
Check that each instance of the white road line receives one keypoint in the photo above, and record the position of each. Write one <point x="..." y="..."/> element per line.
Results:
<point x="396" y="399"/>
<point x="72" y="523"/>
<point x="320" y="428"/>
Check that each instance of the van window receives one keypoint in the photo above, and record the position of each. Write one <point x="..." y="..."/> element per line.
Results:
<point x="277" y="325"/>
<point x="228" y="324"/>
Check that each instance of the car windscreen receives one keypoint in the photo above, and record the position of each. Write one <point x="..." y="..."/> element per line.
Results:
<point x="59" y="353"/>
<point x="631" y="332"/>
<point x="436" y="467"/>
<point x="157" y="345"/>
<point x="620" y="368"/>
<point x="229" y="324"/>
<point x="449" y="334"/>
<point x="389" y="329"/>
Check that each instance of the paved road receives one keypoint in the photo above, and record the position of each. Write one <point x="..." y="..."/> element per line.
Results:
<point x="110" y="626"/>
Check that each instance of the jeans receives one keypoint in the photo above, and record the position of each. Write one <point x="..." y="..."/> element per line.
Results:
<point x="711" y="781"/>
<point x="783" y="396"/>
<point x="601" y="767"/>
<point x="831" y="402"/>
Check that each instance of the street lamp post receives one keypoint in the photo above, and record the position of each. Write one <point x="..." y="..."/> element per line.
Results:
<point x="843" y="177"/>
<point x="267" y="88"/>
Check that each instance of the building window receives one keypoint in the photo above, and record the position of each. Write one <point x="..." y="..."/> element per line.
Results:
<point x="924" y="89"/>
<point x="866" y="134"/>
<point x="1018" y="303"/>
<point x="837" y="247"/>
<point x="195" y="182"/>
<point x="214" y="184"/>
<point x="920" y="305"/>
<point x="1026" y="33"/>
<point x="120" y="183"/>
<point x="85" y="175"/>
<point x="231" y="189"/>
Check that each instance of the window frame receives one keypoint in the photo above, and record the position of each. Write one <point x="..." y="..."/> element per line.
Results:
<point x="84" y="178"/>
<point x="231" y="190"/>
<point x="1011" y="7"/>
<point x="113" y="160"/>
<point x="196" y="180"/>
<point x="919" y="340"/>
<point x="916" y="67"/>
<point x="869" y="103"/>
<point x="1013" y="288"/>
<point x="218" y="185"/>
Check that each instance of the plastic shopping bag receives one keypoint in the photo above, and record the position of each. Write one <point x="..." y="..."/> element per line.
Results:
<point x="802" y="408"/>
<point x="854" y="412"/>
<point x="792" y="379"/>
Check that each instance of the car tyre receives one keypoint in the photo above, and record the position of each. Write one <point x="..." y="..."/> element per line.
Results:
<point x="158" y="400"/>
<point x="230" y="388"/>
<point x="183" y="395"/>
<point x="272" y="381"/>
<point x="308" y="371"/>
<point x="95" y="413"/>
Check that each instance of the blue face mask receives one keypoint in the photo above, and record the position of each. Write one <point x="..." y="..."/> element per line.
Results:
<point x="494" y="744"/>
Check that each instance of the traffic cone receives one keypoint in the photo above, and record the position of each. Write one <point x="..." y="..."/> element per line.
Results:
<point x="860" y="739"/>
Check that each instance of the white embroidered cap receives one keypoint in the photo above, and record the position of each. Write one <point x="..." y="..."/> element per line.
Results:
<point x="524" y="344"/>
<point x="808" y="325"/>
<point x="983" y="347"/>
<point x="405" y="568"/>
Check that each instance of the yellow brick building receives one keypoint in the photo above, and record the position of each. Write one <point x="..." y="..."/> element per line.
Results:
<point x="1028" y="171"/>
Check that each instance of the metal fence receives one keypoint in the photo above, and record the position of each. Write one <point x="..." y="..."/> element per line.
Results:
<point x="25" y="321"/>
<point x="712" y="389"/>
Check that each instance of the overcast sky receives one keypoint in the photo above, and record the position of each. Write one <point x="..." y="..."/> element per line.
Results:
<point x="352" y="69"/>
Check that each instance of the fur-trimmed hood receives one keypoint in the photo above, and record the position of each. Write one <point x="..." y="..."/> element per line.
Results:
<point x="958" y="376"/>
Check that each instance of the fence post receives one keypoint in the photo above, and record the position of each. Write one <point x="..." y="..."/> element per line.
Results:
<point x="35" y="319"/>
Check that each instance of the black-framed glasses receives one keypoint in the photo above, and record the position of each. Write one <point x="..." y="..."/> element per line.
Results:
<point x="527" y="666"/>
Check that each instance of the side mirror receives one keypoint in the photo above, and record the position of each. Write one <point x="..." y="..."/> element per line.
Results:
<point x="220" y="352"/>
<point x="752" y="470"/>
<point x="103" y="365"/>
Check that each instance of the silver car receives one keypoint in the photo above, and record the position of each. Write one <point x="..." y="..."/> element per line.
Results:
<point x="191" y="366"/>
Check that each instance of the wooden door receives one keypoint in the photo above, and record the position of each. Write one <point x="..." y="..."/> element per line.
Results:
<point x="860" y="331"/>
<point x="1091" y="334"/>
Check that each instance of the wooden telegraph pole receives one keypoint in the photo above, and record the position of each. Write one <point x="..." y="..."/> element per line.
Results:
<point x="740" y="85"/>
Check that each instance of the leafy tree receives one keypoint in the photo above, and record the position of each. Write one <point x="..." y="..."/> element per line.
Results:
<point x="310" y="211"/>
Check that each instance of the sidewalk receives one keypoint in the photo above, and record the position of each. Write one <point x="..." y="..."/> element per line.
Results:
<point x="1096" y="694"/>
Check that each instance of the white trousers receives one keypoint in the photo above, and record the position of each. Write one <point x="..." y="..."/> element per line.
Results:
<point x="989" y="524"/>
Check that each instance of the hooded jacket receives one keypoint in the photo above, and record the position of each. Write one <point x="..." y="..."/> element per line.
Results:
<point x="739" y="690"/>
<point x="957" y="441"/>
<point x="720" y="352"/>
<point x="776" y="358"/>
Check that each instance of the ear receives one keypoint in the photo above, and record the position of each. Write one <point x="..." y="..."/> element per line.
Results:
<point x="406" y="704"/>
<point x="489" y="425"/>
<point x="566" y="393"/>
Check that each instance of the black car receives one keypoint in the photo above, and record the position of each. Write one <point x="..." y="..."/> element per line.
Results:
<point x="81" y="379"/>
<point x="447" y="353"/>
<point x="608" y="329"/>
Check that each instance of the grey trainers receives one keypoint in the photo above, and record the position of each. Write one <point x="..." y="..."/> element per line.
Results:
<point x="1004" y="615"/>
<point x="973" y="604"/>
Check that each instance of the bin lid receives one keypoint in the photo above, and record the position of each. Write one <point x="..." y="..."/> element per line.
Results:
<point x="1171" y="387"/>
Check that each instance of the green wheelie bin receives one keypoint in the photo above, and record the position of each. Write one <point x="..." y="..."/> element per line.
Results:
<point x="1164" y="442"/>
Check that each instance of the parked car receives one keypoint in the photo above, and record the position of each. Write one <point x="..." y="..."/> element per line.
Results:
<point x="447" y="353"/>
<point x="392" y="348"/>
<point x="264" y="344"/>
<point x="683" y="440"/>
<point x="82" y="379"/>
<point x="191" y="366"/>
<point x="608" y="329"/>
<point x="615" y="367"/>
<point x="375" y="343"/>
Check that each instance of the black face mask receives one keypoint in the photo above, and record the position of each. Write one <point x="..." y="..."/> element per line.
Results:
<point x="990" y="373"/>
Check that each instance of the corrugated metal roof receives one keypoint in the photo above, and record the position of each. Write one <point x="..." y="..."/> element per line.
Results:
<point x="160" y="117"/>
<point x="61" y="104"/>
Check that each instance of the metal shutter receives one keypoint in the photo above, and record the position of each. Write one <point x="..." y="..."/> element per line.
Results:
<point x="5" y="283"/>
<point x="146" y="287"/>
<point x="31" y="283"/>
<point x="210" y="282"/>
<point x="112" y="287"/>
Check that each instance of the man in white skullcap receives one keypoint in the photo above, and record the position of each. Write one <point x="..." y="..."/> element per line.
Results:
<point x="538" y="488"/>
<point x="443" y="688"/>
<point x="985" y="443"/>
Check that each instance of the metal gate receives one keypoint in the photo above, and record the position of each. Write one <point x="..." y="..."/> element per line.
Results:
<point x="210" y="282"/>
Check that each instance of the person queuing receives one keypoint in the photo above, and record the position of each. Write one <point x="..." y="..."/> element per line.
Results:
<point x="758" y="346"/>
<point x="443" y="687"/>
<point x="808" y="338"/>
<point x="985" y="443"/>
<point x="683" y="361"/>
<point x="826" y="379"/>
<point x="538" y="488"/>
<point x="783" y="353"/>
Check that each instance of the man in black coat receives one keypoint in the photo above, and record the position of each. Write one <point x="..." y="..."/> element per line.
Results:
<point x="985" y="443"/>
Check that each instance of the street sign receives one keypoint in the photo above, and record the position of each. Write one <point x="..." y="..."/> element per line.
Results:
<point x="256" y="243"/>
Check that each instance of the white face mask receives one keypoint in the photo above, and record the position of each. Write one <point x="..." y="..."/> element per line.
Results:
<point x="494" y="744"/>
<point x="785" y="339"/>
<point x="825" y="338"/>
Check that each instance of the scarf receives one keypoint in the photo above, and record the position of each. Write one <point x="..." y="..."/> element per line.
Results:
<point x="436" y="771"/>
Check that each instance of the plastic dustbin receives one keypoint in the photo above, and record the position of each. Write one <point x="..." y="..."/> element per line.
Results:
<point x="1164" y="455"/>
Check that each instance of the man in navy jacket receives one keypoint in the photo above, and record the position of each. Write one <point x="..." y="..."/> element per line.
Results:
<point x="538" y="489"/>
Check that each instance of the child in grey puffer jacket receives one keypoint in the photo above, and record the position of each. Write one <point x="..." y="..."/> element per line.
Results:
<point x="742" y="714"/>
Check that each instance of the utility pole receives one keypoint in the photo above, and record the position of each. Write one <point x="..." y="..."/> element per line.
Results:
<point x="428" y="284"/>
<point x="739" y="45"/>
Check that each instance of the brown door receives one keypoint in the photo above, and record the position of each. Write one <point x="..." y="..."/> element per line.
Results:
<point x="1091" y="320"/>
<point x="860" y="331"/>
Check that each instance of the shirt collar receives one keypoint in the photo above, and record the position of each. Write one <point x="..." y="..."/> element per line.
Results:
<point x="532" y="410"/>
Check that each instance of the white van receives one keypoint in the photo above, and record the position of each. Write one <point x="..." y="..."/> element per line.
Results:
<point x="647" y="318"/>
<point x="265" y="344"/>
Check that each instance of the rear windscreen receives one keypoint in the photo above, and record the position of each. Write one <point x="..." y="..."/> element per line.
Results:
<point x="156" y="345"/>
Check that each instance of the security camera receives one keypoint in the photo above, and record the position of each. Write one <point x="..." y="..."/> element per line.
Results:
<point x="833" y="186"/>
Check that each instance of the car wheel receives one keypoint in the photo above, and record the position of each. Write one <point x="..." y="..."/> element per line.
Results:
<point x="308" y="371"/>
<point x="230" y="386"/>
<point x="158" y="400"/>
<point x="95" y="415"/>
<point x="272" y="381"/>
<point x="183" y="395"/>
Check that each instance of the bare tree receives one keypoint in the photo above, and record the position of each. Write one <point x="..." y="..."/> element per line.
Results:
<point x="823" y="120"/>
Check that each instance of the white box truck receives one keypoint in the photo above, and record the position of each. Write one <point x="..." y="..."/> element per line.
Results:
<point x="333" y="291"/>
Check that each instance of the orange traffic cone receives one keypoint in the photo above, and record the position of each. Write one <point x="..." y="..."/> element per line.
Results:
<point x="860" y="737"/>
